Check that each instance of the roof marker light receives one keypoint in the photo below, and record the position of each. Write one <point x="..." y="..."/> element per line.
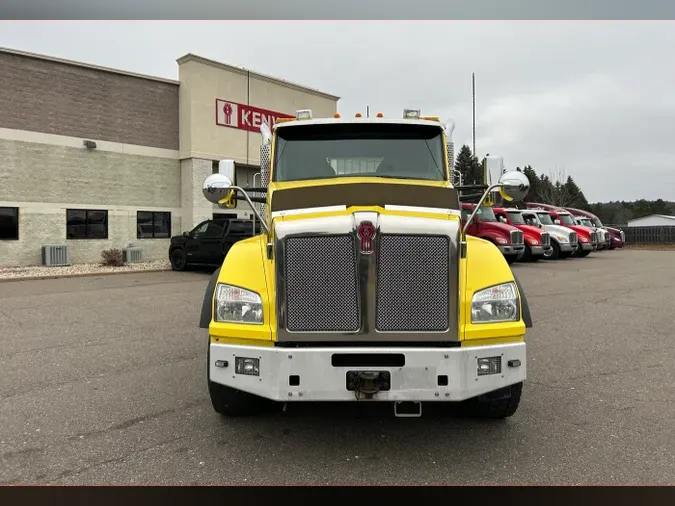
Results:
<point x="336" y="115"/>
<point x="303" y="114"/>
<point x="411" y="113"/>
<point x="358" y="115"/>
<point x="380" y="115"/>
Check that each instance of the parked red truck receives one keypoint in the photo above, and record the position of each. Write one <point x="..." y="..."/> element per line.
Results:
<point x="588" y="238"/>
<point x="485" y="225"/>
<point x="617" y="237"/>
<point x="537" y="242"/>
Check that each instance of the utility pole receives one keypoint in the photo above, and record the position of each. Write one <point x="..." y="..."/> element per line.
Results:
<point x="473" y="99"/>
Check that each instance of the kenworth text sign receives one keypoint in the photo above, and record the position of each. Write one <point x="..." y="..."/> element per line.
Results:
<point x="245" y="117"/>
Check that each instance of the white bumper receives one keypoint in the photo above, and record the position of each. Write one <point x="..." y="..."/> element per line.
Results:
<point x="416" y="380"/>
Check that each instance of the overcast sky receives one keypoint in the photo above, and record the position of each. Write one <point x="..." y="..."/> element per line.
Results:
<point x="596" y="99"/>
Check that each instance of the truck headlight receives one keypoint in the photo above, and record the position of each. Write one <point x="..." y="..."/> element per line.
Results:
<point x="561" y="238"/>
<point x="495" y="304"/>
<point x="501" y="240"/>
<point x="236" y="305"/>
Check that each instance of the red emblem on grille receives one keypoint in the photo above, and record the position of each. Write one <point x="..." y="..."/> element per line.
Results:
<point x="366" y="234"/>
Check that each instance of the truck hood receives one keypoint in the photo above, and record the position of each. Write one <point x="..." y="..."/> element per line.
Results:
<point x="558" y="229"/>
<point x="580" y="230"/>
<point x="530" y="230"/>
<point x="498" y="226"/>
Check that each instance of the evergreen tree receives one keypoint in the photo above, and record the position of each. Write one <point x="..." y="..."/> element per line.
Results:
<point x="464" y="164"/>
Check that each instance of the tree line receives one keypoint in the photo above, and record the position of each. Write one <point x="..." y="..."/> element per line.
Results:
<point x="559" y="189"/>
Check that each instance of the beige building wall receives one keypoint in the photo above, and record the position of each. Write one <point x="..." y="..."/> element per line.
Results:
<point x="156" y="142"/>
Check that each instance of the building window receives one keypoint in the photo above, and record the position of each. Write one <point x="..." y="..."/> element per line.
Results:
<point x="153" y="225"/>
<point x="86" y="224"/>
<point x="9" y="223"/>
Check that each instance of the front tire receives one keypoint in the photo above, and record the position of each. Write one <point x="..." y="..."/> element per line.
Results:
<point x="510" y="259"/>
<point x="178" y="259"/>
<point x="496" y="405"/>
<point x="554" y="251"/>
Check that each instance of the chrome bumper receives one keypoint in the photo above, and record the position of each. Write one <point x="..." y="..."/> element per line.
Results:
<point x="428" y="374"/>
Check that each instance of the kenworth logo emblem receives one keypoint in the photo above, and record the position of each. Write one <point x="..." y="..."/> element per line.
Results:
<point x="366" y="233"/>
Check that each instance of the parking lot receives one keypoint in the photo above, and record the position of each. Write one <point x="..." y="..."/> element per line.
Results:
<point x="103" y="381"/>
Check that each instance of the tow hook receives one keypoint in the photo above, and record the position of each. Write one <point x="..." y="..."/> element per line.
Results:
<point x="368" y="383"/>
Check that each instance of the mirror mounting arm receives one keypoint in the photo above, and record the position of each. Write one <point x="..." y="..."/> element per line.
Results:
<point x="250" y="203"/>
<point x="480" y="203"/>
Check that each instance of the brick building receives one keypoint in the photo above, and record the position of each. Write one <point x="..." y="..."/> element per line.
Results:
<point x="94" y="158"/>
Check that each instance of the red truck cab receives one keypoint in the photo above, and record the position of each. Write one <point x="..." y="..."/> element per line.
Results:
<point x="537" y="242"/>
<point x="485" y="225"/>
<point x="587" y="237"/>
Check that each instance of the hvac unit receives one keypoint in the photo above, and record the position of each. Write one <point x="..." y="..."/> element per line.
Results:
<point x="55" y="255"/>
<point x="132" y="255"/>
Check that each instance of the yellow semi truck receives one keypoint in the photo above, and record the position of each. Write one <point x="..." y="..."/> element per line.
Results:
<point x="363" y="285"/>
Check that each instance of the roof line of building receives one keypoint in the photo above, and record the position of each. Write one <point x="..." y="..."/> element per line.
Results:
<point x="241" y="70"/>
<point x="85" y="65"/>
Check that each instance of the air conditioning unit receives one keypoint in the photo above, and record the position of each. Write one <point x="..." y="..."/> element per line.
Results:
<point x="55" y="255"/>
<point x="132" y="255"/>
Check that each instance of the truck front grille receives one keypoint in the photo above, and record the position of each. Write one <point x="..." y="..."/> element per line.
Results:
<point x="545" y="239"/>
<point x="573" y="238"/>
<point x="516" y="237"/>
<point x="594" y="237"/>
<point x="413" y="283"/>
<point x="321" y="284"/>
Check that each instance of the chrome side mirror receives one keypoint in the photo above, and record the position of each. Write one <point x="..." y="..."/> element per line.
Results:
<point x="217" y="187"/>
<point x="514" y="185"/>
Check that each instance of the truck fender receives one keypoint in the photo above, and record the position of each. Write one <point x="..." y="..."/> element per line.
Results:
<point x="527" y="317"/>
<point x="207" y="304"/>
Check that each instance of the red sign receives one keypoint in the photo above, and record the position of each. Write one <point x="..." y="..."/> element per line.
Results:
<point x="245" y="117"/>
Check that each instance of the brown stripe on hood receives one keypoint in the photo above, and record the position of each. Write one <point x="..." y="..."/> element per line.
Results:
<point x="364" y="194"/>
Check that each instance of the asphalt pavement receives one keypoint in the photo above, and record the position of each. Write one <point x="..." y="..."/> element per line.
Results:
<point x="102" y="381"/>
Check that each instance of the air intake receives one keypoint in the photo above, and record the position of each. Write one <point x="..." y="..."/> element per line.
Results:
<point x="132" y="255"/>
<point x="55" y="255"/>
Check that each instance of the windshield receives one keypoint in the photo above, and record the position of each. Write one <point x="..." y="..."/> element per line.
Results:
<point x="586" y="222"/>
<point x="486" y="214"/>
<point x="516" y="218"/>
<point x="327" y="151"/>
<point x="545" y="218"/>
<point x="597" y="222"/>
<point x="566" y="219"/>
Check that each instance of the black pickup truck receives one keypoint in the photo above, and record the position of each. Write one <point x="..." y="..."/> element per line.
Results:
<point x="208" y="243"/>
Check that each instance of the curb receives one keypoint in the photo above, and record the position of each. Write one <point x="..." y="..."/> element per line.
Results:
<point x="81" y="275"/>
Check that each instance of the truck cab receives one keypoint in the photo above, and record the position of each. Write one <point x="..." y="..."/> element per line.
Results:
<point x="363" y="285"/>
<point x="613" y="237"/>
<point x="587" y="237"/>
<point x="485" y="225"/>
<point x="537" y="241"/>
<point x="563" y="240"/>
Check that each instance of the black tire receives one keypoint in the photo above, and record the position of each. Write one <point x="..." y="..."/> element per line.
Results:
<point x="579" y="252"/>
<point x="535" y="258"/>
<point x="227" y="401"/>
<point x="555" y="251"/>
<point x="178" y="259"/>
<point x="585" y="254"/>
<point x="510" y="259"/>
<point x="527" y="255"/>
<point x="501" y="404"/>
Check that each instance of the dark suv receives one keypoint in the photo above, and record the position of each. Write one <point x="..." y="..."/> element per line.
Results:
<point x="208" y="243"/>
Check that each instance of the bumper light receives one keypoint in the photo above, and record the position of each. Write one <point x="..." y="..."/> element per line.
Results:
<point x="236" y="305"/>
<point x="495" y="304"/>
<point x="247" y="366"/>
<point x="489" y="365"/>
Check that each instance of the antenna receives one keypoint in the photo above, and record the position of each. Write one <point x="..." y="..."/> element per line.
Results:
<point x="367" y="111"/>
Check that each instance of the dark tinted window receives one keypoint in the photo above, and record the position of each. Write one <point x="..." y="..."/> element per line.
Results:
<point x="153" y="224"/>
<point x="369" y="149"/>
<point x="86" y="224"/>
<point x="9" y="223"/>
<point x="212" y="230"/>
